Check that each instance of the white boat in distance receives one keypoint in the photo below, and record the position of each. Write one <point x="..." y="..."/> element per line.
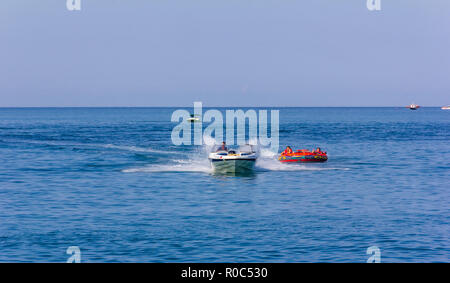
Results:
<point x="445" y="107"/>
<point x="413" y="106"/>
<point x="194" y="118"/>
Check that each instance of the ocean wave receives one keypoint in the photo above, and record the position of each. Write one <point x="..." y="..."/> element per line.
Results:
<point x="278" y="166"/>
<point x="267" y="161"/>
<point x="138" y="149"/>
<point x="176" y="168"/>
<point x="261" y="166"/>
<point x="132" y="148"/>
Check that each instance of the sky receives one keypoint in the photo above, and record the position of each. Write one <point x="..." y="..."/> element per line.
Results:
<point x="224" y="53"/>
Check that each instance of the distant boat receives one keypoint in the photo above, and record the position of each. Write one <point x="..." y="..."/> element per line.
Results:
<point x="413" y="106"/>
<point x="445" y="107"/>
<point x="194" y="118"/>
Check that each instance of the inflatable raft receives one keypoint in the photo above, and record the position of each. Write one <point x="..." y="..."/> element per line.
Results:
<point x="303" y="155"/>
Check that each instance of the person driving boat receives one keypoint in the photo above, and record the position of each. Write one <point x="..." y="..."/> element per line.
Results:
<point x="223" y="147"/>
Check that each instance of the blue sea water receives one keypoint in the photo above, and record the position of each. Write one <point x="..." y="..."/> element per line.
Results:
<point x="109" y="181"/>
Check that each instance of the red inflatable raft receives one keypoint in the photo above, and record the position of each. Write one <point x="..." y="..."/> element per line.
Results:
<point x="303" y="155"/>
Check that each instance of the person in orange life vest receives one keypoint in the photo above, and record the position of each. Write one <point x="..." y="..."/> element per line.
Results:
<point x="288" y="150"/>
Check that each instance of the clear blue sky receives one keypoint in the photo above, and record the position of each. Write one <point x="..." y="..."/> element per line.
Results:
<point x="224" y="53"/>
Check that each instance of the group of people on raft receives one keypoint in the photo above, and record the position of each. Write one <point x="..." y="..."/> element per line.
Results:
<point x="303" y="155"/>
<point x="289" y="151"/>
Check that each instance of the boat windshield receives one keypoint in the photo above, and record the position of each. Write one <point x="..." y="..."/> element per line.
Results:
<point x="222" y="148"/>
<point x="246" y="148"/>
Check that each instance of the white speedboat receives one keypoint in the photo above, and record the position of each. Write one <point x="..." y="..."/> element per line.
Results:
<point x="413" y="106"/>
<point x="194" y="118"/>
<point x="445" y="107"/>
<point x="241" y="160"/>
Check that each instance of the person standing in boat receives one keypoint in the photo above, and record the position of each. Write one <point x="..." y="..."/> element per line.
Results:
<point x="223" y="147"/>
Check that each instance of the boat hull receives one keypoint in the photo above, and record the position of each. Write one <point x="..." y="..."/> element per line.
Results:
<point x="233" y="165"/>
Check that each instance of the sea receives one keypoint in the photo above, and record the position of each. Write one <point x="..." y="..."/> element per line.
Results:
<point x="111" y="183"/>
